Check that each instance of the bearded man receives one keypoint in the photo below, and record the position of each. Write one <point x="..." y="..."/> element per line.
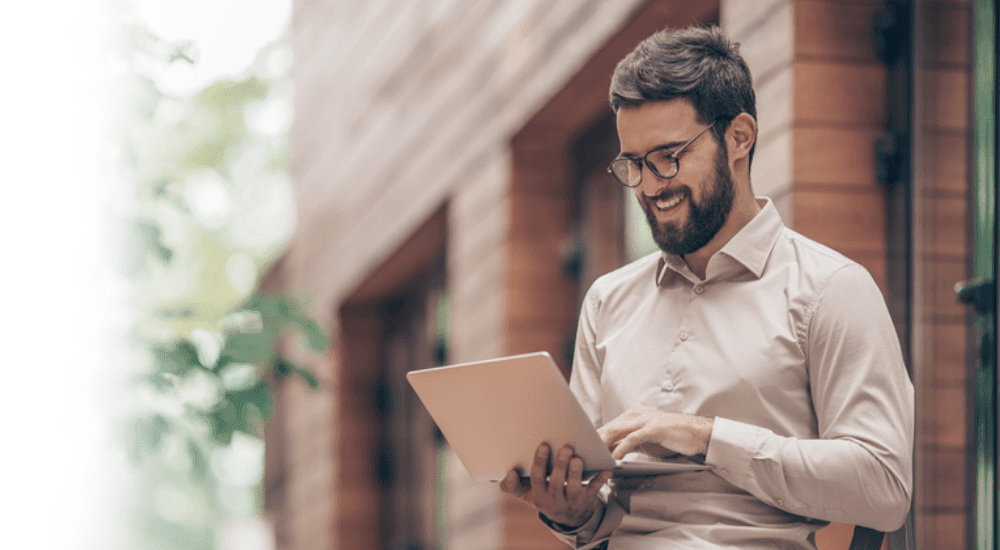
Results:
<point x="742" y="344"/>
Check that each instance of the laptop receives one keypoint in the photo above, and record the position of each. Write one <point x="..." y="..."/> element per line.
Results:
<point x="495" y="413"/>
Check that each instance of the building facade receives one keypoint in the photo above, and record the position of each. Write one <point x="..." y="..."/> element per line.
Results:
<point x="449" y="162"/>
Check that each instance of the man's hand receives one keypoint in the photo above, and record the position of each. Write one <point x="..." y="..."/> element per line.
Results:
<point x="657" y="433"/>
<point x="563" y="498"/>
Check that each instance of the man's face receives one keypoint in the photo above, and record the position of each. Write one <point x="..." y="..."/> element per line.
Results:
<point x="686" y="211"/>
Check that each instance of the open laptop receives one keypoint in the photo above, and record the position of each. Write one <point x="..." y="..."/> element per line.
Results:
<point x="495" y="413"/>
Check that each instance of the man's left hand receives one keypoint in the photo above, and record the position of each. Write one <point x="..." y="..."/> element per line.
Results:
<point x="657" y="433"/>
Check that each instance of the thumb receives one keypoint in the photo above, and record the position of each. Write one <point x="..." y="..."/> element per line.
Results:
<point x="512" y="484"/>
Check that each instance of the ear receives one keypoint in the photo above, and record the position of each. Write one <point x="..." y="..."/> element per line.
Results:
<point x="740" y="137"/>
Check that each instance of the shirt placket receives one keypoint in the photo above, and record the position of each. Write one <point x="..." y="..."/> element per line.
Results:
<point x="670" y="395"/>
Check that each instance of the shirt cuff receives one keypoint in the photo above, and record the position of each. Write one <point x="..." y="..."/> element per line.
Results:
<point x="731" y="448"/>
<point x="582" y="533"/>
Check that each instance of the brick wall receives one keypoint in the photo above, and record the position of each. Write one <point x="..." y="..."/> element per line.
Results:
<point x="299" y="438"/>
<point x="299" y="503"/>
<point x="405" y="106"/>
<point x="821" y="100"/>
<point x="943" y="153"/>
<point x="478" y="212"/>
<point x="765" y="32"/>
<point x="820" y="95"/>
<point x="541" y="307"/>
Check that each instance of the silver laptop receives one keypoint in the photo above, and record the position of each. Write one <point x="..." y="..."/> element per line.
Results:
<point x="495" y="413"/>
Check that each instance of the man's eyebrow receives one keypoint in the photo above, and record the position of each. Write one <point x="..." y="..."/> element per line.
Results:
<point x="668" y="145"/>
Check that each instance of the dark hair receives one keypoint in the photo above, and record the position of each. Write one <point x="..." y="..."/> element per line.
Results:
<point x="698" y="64"/>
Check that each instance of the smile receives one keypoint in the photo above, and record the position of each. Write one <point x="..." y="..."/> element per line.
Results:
<point x="667" y="204"/>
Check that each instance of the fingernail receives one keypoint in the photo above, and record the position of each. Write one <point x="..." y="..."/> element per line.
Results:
<point x="543" y="451"/>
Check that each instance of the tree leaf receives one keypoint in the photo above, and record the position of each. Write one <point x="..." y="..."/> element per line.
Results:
<point x="284" y="367"/>
<point x="254" y="405"/>
<point x="145" y="435"/>
<point x="199" y="462"/>
<point x="151" y="240"/>
<point x="223" y="420"/>
<point x="177" y="358"/>
<point x="157" y="380"/>
<point x="256" y="348"/>
<point x="309" y="378"/>
<point x="291" y="312"/>
<point x="316" y="338"/>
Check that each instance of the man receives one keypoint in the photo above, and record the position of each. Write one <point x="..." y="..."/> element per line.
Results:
<point x="743" y="344"/>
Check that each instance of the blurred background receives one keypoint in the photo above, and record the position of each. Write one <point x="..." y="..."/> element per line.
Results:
<point x="299" y="201"/>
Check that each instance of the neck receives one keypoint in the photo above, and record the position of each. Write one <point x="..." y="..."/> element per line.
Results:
<point x="745" y="207"/>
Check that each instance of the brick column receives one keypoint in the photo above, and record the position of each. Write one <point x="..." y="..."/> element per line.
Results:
<point x="821" y="104"/>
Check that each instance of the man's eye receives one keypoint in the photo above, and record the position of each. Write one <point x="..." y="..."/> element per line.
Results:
<point x="661" y="154"/>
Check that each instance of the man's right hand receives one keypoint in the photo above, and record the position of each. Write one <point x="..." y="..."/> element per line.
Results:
<point x="563" y="498"/>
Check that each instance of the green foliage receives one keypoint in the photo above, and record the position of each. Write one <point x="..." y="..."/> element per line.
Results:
<point x="217" y="125"/>
<point x="145" y="435"/>
<point x="284" y="368"/>
<point x="212" y="348"/>
<point x="176" y="358"/>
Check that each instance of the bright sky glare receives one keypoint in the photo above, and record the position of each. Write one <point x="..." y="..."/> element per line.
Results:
<point x="228" y="34"/>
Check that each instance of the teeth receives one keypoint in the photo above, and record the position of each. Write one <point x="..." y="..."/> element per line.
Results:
<point x="670" y="203"/>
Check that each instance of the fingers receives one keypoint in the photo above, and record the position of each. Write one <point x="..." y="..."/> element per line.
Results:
<point x="562" y="497"/>
<point x="654" y="432"/>
<point x="624" y="424"/>
<point x="574" y="479"/>
<point x="557" y="479"/>
<point x="538" y="467"/>
<point x="610" y="433"/>
<point x="631" y="441"/>
<point x="512" y="484"/>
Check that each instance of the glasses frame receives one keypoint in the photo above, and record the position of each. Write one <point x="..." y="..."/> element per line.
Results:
<point x="673" y="155"/>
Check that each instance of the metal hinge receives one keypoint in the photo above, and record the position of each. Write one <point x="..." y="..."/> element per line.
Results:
<point x="891" y="28"/>
<point x="891" y="158"/>
<point x="980" y="294"/>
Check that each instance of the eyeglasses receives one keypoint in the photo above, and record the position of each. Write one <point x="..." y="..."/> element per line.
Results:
<point x="662" y="161"/>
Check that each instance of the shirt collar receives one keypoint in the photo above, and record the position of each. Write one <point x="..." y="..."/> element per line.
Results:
<point x="749" y="248"/>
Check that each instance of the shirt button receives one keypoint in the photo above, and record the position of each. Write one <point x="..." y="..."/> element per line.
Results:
<point x="668" y="386"/>
<point x="724" y="472"/>
<point x="699" y="289"/>
<point x="781" y="502"/>
<point x="684" y="336"/>
<point x="647" y="485"/>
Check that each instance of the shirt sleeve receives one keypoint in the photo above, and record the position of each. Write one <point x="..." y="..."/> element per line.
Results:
<point x="585" y="382"/>
<point x="580" y="537"/>
<point x="859" y="470"/>
<point x="585" y="377"/>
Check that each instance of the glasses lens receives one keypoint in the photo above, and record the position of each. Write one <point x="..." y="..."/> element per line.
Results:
<point x="627" y="171"/>
<point x="663" y="162"/>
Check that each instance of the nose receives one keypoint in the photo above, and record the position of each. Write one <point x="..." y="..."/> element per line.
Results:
<point x="652" y="184"/>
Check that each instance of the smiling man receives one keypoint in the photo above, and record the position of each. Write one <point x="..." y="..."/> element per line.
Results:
<point x="742" y="344"/>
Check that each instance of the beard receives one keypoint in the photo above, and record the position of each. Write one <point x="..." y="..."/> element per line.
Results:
<point x="706" y="215"/>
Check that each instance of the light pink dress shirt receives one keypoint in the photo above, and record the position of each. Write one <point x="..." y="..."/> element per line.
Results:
<point x="789" y="346"/>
